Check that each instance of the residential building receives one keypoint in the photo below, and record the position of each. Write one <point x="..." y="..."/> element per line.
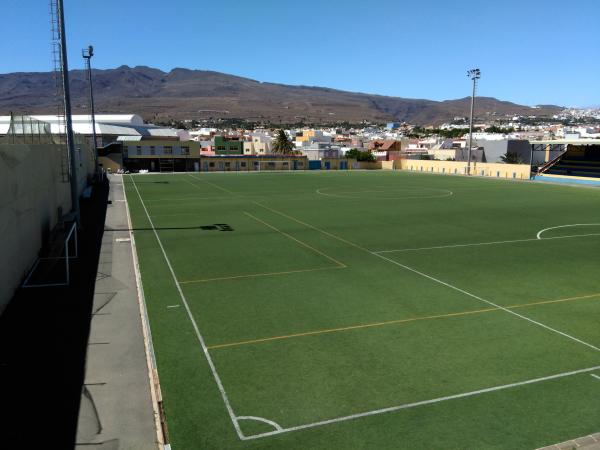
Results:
<point x="228" y="145"/>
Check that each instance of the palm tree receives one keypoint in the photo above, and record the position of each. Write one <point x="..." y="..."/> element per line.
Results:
<point x="282" y="144"/>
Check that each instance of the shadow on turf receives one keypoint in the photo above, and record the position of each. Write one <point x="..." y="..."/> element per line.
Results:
<point x="215" y="227"/>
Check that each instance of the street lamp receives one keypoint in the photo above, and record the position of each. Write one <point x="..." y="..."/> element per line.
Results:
<point x="473" y="74"/>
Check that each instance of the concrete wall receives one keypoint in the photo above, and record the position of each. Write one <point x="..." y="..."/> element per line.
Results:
<point x="516" y="171"/>
<point x="31" y="193"/>
<point x="112" y="162"/>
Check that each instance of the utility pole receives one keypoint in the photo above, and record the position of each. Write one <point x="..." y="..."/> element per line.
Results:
<point x="87" y="56"/>
<point x="68" y="119"/>
<point x="473" y="74"/>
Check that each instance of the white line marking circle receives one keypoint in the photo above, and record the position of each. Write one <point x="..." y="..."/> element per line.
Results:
<point x="539" y="235"/>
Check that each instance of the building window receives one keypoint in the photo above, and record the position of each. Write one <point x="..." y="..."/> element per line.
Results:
<point x="243" y="163"/>
<point x="168" y="150"/>
<point x="211" y="164"/>
<point x="138" y="150"/>
<point x="153" y="150"/>
<point x="185" y="150"/>
<point x="227" y="164"/>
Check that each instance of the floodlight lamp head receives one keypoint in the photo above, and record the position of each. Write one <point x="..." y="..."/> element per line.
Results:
<point x="474" y="74"/>
<point x="88" y="52"/>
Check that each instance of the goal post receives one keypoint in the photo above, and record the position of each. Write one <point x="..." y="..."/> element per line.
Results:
<point x="54" y="269"/>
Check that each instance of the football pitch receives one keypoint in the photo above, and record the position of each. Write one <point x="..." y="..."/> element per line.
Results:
<point x="370" y="309"/>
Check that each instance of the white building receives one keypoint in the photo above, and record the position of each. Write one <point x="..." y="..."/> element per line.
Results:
<point x="108" y="127"/>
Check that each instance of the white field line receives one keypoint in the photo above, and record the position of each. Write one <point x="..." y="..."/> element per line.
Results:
<point x="462" y="291"/>
<point x="486" y="243"/>
<point x="539" y="235"/>
<point x="153" y="379"/>
<point x="194" y="324"/>
<point x="596" y="376"/>
<point x="421" y="403"/>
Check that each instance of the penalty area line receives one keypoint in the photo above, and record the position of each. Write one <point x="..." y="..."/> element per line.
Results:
<point x="421" y="403"/>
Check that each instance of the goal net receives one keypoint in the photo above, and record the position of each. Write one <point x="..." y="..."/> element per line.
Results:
<point x="54" y="268"/>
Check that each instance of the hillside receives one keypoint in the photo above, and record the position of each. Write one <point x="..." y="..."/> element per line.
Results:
<point x="195" y="94"/>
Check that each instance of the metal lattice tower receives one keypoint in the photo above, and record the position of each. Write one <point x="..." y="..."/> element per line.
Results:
<point x="59" y="91"/>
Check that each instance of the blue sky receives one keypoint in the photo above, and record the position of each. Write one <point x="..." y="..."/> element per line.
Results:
<point x="529" y="51"/>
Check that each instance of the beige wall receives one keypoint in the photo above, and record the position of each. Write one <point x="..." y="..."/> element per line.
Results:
<point x="112" y="161"/>
<point x="31" y="192"/>
<point x="517" y="171"/>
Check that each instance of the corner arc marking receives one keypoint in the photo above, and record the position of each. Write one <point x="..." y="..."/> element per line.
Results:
<point x="261" y="419"/>
<point x="539" y="235"/>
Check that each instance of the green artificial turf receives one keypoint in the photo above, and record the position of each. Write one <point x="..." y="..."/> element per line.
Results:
<point x="324" y="295"/>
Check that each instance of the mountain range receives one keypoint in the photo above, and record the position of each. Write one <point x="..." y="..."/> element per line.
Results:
<point x="199" y="94"/>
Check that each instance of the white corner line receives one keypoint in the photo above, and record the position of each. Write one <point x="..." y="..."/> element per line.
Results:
<point x="173" y="306"/>
<point x="262" y="419"/>
<point x="597" y="377"/>
<point x="539" y="235"/>
<point x="485" y="243"/>
<point x="462" y="291"/>
<point x="213" y="369"/>
<point x="421" y="403"/>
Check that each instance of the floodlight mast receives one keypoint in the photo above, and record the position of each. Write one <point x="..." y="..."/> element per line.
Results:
<point x="73" y="177"/>
<point x="87" y="56"/>
<point x="473" y="74"/>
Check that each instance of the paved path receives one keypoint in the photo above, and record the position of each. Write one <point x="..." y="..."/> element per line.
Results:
<point x="116" y="406"/>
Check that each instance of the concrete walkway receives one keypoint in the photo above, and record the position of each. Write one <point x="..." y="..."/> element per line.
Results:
<point x="118" y="405"/>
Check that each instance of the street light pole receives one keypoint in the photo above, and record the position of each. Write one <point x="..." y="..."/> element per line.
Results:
<point x="87" y="56"/>
<point x="474" y="74"/>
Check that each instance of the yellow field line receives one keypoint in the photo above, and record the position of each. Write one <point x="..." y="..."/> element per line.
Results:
<point x="212" y="184"/>
<point x="393" y="322"/>
<point x="304" y="244"/>
<point x="313" y="227"/>
<point x="254" y="275"/>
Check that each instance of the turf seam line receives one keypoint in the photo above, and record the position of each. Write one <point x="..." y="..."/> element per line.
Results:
<point x="212" y="184"/>
<point x="486" y="243"/>
<point x="313" y="227"/>
<point x="535" y="322"/>
<point x="394" y="322"/>
<point x="568" y="336"/>
<point x="447" y="193"/>
<point x="228" y="406"/>
<point x="421" y="403"/>
<point x="256" y="275"/>
<point x="304" y="244"/>
<point x="539" y="235"/>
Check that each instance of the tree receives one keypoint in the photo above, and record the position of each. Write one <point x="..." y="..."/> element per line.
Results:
<point x="511" y="158"/>
<point x="282" y="144"/>
<point x="360" y="156"/>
